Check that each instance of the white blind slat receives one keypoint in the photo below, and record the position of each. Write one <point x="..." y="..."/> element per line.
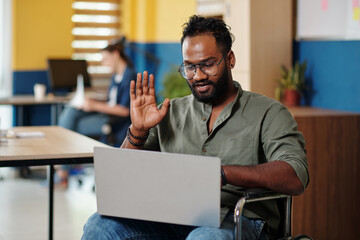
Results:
<point x="95" y="23"/>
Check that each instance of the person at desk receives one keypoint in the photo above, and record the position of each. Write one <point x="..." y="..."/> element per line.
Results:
<point x="255" y="137"/>
<point x="93" y="114"/>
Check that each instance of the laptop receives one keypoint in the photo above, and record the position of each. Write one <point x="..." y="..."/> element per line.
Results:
<point x="157" y="186"/>
<point x="63" y="74"/>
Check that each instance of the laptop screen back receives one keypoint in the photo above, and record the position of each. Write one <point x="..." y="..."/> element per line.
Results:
<point x="156" y="186"/>
<point x="63" y="73"/>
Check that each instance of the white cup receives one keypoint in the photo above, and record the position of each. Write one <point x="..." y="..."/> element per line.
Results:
<point x="39" y="91"/>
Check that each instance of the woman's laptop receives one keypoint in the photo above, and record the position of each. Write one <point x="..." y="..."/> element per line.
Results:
<point x="157" y="186"/>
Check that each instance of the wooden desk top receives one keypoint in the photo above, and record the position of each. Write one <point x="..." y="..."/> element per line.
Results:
<point x="30" y="100"/>
<point x="58" y="143"/>
<point x="317" y="112"/>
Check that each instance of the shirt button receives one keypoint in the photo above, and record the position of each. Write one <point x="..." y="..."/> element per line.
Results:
<point x="204" y="118"/>
<point x="204" y="149"/>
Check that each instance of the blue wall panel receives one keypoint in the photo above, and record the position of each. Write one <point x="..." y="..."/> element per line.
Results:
<point x="333" y="73"/>
<point x="23" y="82"/>
<point x="167" y="55"/>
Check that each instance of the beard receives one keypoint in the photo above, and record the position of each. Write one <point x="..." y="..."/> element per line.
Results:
<point x="218" y="89"/>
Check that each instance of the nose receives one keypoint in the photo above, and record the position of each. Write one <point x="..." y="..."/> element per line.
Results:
<point x="199" y="74"/>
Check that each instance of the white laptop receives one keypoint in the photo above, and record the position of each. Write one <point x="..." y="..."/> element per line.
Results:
<point x="157" y="186"/>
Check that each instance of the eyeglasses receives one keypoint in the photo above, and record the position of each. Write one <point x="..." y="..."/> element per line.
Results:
<point x="210" y="68"/>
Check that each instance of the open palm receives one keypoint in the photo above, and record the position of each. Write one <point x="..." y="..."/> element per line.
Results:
<point x="143" y="109"/>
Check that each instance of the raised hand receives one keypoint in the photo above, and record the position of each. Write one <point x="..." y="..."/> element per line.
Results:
<point x="143" y="109"/>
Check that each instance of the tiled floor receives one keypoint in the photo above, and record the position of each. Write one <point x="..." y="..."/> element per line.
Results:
<point x="24" y="209"/>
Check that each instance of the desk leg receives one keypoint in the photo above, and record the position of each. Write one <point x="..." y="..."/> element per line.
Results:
<point x="51" y="200"/>
<point x="53" y="114"/>
<point x="20" y="115"/>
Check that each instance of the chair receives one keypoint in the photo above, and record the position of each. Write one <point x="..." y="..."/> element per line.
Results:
<point x="114" y="131"/>
<point x="256" y="195"/>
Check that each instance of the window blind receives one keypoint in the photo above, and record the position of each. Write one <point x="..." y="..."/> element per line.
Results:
<point x="211" y="8"/>
<point x="95" y="22"/>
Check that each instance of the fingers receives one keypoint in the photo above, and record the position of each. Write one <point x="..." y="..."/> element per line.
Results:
<point x="132" y="89"/>
<point x="138" y="84"/>
<point x="152" y="85"/>
<point x="145" y="83"/>
<point x="164" y="108"/>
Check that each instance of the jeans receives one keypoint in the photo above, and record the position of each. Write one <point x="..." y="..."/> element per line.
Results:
<point x="101" y="227"/>
<point x="86" y="123"/>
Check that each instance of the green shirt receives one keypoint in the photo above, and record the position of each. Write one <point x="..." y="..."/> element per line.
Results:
<point x="251" y="130"/>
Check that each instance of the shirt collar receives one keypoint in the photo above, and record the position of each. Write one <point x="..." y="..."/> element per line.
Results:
<point x="206" y="108"/>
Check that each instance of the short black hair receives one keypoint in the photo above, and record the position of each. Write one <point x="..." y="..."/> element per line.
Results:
<point x="218" y="28"/>
<point x="118" y="45"/>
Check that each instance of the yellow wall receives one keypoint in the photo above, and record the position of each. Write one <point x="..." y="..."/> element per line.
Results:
<point x="41" y="29"/>
<point x="156" y="20"/>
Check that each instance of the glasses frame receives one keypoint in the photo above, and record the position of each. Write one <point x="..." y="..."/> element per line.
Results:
<point x="198" y="65"/>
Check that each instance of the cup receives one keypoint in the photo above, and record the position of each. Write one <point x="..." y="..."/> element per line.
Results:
<point x="39" y="91"/>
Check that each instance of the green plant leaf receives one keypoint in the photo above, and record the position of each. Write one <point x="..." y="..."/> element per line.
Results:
<point x="292" y="78"/>
<point x="174" y="85"/>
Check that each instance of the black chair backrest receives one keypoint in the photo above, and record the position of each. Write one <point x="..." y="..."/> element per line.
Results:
<point x="284" y="206"/>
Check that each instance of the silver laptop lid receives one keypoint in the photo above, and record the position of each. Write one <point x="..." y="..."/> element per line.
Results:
<point x="157" y="186"/>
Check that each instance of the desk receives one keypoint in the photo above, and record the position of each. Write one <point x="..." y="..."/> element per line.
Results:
<point x="330" y="206"/>
<point x="59" y="146"/>
<point x="22" y="100"/>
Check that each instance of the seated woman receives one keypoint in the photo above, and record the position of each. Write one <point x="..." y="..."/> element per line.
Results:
<point x="93" y="114"/>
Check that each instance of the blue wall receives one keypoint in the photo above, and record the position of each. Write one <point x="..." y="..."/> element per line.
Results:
<point x="333" y="73"/>
<point x="33" y="115"/>
<point x="23" y="81"/>
<point x="167" y="55"/>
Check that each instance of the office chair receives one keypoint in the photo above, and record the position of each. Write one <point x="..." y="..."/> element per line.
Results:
<point x="284" y="204"/>
<point x="114" y="131"/>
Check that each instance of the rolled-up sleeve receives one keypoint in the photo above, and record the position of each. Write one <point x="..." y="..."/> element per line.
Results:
<point x="283" y="142"/>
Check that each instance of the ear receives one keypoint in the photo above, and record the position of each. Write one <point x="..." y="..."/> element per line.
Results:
<point x="232" y="59"/>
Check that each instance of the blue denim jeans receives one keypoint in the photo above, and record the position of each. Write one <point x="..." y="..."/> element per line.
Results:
<point x="101" y="227"/>
<point x="87" y="123"/>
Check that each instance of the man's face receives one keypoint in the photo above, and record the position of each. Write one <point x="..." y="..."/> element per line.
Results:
<point x="203" y="48"/>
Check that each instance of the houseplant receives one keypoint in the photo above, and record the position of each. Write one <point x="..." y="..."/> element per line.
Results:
<point x="291" y="84"/>
<point x="174" y="85"/>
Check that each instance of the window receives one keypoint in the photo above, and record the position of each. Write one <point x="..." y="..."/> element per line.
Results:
<point x="95" y="22"/>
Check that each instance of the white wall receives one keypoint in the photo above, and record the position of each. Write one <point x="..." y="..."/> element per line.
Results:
<point x="328" y="20"/>
<point x="5" y="62"/>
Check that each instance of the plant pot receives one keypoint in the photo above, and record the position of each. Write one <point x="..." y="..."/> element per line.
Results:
<point x="291" y="97"/>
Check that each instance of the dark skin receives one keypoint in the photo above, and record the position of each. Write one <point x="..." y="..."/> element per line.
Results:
<point x="277" y="176"/>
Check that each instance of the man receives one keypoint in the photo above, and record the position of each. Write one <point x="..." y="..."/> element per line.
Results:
<point x="255" y="137"/>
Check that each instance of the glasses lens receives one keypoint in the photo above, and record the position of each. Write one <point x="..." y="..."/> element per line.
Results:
<point x="187" y="72"/>
<point x="209" y="68"/>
